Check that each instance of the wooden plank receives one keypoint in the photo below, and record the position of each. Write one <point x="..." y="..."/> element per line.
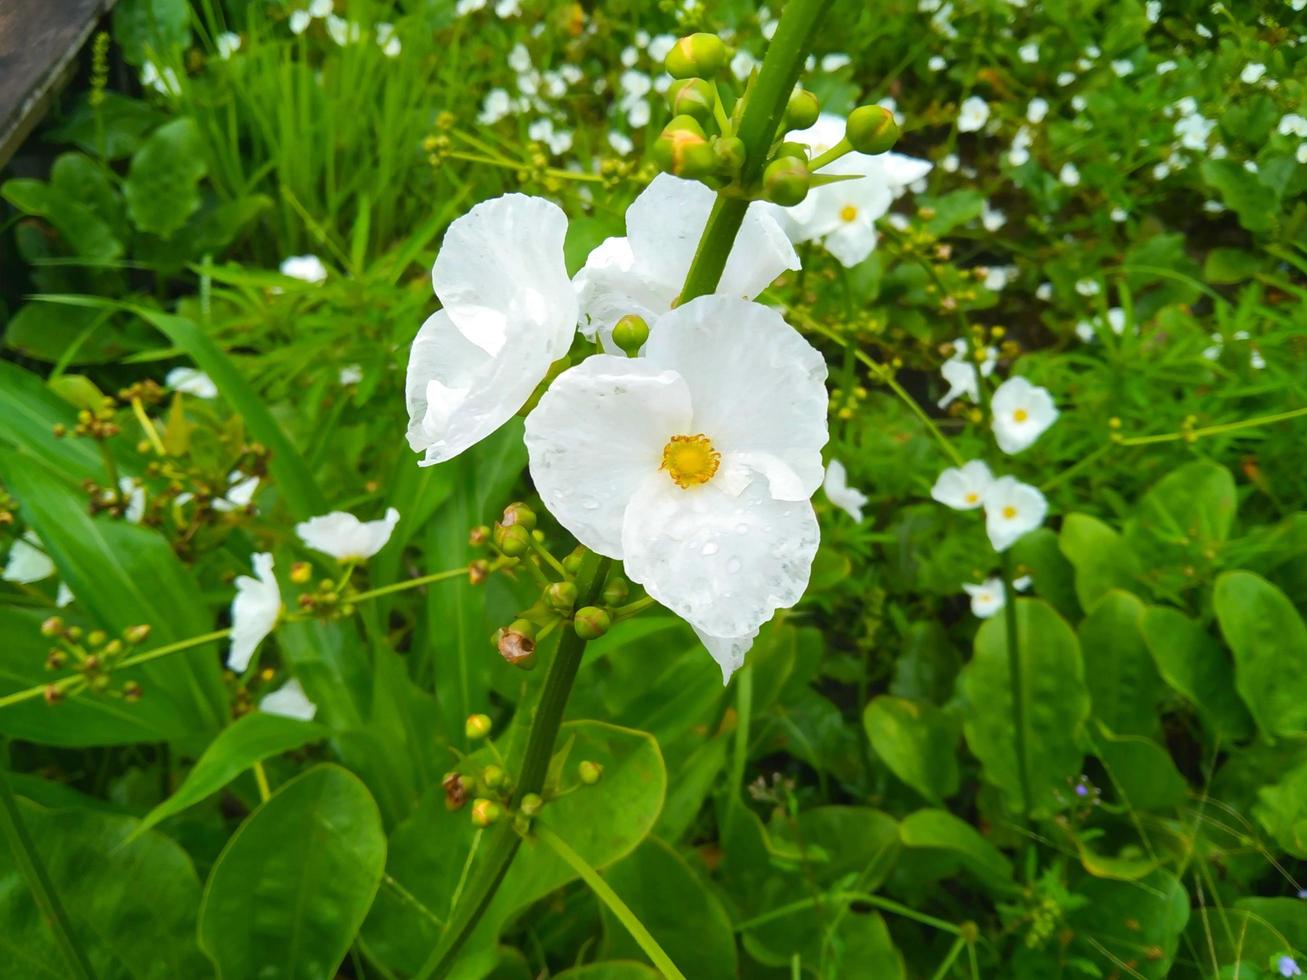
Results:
<point x="39" y="43"/>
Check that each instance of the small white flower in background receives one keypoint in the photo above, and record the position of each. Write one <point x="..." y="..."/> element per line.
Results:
<point x="1252" y="73"/>
<point x="1166" y="67"/>
<point x="1292" y="124"/>
<point x="1012" y="509"/>
<point x="1079" y="103"/>
<point x="190" y="381"/>
<point x="643" y="272"/>
<point x="987" y="598"/>
<point x="1122" y="67"/>
<point x="254" y="612"/>
<point x="963" y="487"/>
<point x="289" y="701"/>
<point x="998" y="276"/>
<point x="660" y="45"/>
<point x="227" y="44"/>
<point x="1088" y="287"/>
<point x="495" y="106"/>
<point x="950" y="164"/>
<point x="840" y="494"/>
<point x="388" y="40"/>
<point x="972" y="114"/>
<point x="134" y="496"/>
<point x="240" y="493"/>
<point x="1022" y="413"/>
<point x="991" y="218"/>
<point x="299" y="21"/>
<point x="345" y="537"/>
<point x="164" y="81"/>
<point x="694" y="463"/>
<point x="1066" y="78"/>
<point x="1044" y="291"/>
<point x="1069" y="174"/>
<point x="1116" y="319"/>
<point x="465" y="7"/>
<point x="1153" y="10"/>
<point x="28" y="561"/>
<point x="960" y="373"/>
<point x="1020" y="152"/>
<point x="509" y="311"/>
<point x="936" y="63"/>
<point x="64" y="597"/>
<point x="350" y="374"/>
<point x="1037" y="110"/>
<point x="620" y="142"/>
<point x="321" y="8"/>
<point x="308" y="268"/>
<point x="743" y="64"/>
<point x="1029" y="52"/>
<point x="505" y="9"/>
<point x="1194" y="130"/>
<point x="1301" y="153"/>
<point x="343" y="31"/>
<point x="1085" y="331"/>
<point x="1119" y="214"/>
<point x="834" y="62"/>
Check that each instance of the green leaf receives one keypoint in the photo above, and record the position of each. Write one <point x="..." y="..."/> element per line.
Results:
<point x="74" y="335"/>
<point x="1267" y="637"/>
<point x="1054" y="695"/>
<point x="290" y="890"/>
<point x="1054" y="578"/>
<point x="1192" y="662"/>
<point x="917" y="741"/>
<point x="1101" y="558"/>
<point x="939" y="830"/>
<point x="616" y="970"/>
<point x="678" y="906"/>
<point x="1281" y="808"/>
<point x="83" y="231"/>
<point x="1180" y="524"/>
<point x="250" y="739"/>
<point x="112" y="129"/>
<point x="1142" y="773"/>
<point x="163" y="182"/>
<point x="1124" y="686"/>
<point x="1244" y="193"/>
<point x="132" y="899"/>
<point x="31" y="411"/>
<point x="1119" y="919"/>
<point x="1231" y="265"/>
<point x="148" y="30"/>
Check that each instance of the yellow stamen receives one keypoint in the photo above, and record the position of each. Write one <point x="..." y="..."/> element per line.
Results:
<point x="1020" y="415"/>
<point x="1009" y="512"/>
<point x="972" y="497"/>
<point x="690" y="460"/>
<point x="848" y="213"/>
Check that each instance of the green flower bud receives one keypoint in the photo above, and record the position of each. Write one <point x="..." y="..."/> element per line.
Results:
<point x="519" y="514"/>
<point x="52" y="627"/>
<point x="477" y="727"/>
<point x="786" y="181"/>
<point x="699" y="54"/>
<point x="590" y="772"/>
<point x="682" y="149"/>
<point x="137" y="634"/>
<point x="561" y="596"/>
<point x="630" y="333"/>
<point x="790" y="148"/>
<point x="514" y="541"/>
<point x="591" y="622"/>
<point x="616" y="591"/>
<point x="478" y="536"/>
<point x="871" y="129"/>
<point x="531" y="804"/>
<point x="494" y="777"/>
<point x="802" y="110"/>
<point x="691" y="97"/>
<point x="486" y="812"/>
<point x="729" y="153"/>
<point x="95" y="638"/>
<point x="572" y="563"/>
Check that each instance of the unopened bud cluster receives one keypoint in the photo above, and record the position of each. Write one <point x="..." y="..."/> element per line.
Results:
<point x="91" y="655"/>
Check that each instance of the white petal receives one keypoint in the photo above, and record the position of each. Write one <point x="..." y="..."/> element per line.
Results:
<point x="762" y="251"/>
<point x="1021" y="413"/>
<point x="254" y="612"/>
<point x="839" y="493"/>
<point x="501" y="279"/>
<point x="964" y="487"/>
<point x="901" y="170"/>
<point x="597" y="435"/>
<point x="1012" y="509"/>
<point x="851" y="242"/>
<point x="64" y="597"/>
<point x="189" y="381"/>
<point x="728" y="651"/>
<point x="28" y="561"/>
<point x="611" y="285"/>
<point x="756" y="385"/>
<point x="724" y="562"/>
<point x="290" y="701"/>
<point x="345" y="537"/>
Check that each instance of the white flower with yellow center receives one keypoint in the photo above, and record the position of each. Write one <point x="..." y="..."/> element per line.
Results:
<point x="643" y="272"/>
<point x="986" y="598"/>
<point x="963" y="487"/>
<point x="694" y="464"/>
<point x="1012" y="509"/>
<point x="839" y="493"/>
<point x="254" y="612"/>
<point x="509" y="311"/>
<point x="973" y="114"/>
<point x="345" y="537"/>
<point x="289" y="701"/>
<point x="1022" y="412"/>
<point x="843" y="215"/>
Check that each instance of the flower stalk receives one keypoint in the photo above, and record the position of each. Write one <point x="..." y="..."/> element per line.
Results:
<point x="1016" y="678"/>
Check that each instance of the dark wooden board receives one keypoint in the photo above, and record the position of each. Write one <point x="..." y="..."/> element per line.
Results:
<point x="39" y="42"/>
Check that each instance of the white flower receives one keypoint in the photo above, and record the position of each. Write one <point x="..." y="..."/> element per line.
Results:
<point x="254" y="612"/>
<point x="1292" y="124"/>
<point x="643" y="272"/>
<point x="343" y="31"/>
<point x="465" y="7"/>
<point x="936" y="63"/>
<point x="1119" y="214"/>
<point x="972" y="114"/>
<point x="1194" y="130"/>
<point x="1088" y="287"/>
<point x="1012" y="509"/>
<point x="227" y="44"/>
<point x="986" y="598"/>
<point x="960" y="373"/>
<point x="1066" y="78"/>
<point x="1037" y="110"/>
<point x="839" y="493"/>
<point x="190" y="381"/>
<point x="134" y="496"/>
<point x="350" y="374"/>
<point x="998" y="276"/>
<point x="963" y="487"/>
<point x="1020" y="152"/>
<point x="1166" y="67"/>
<point x="1153" y="10"/>
<point x="1085" y="331"/>
<point x="1029" y="52"/>
<point x="495" y="107"/>
<point x="1069" y="175"/>
<point x="1022" y="412"/>
<point x="345" y="537"/>
<point x="289" y="701"/>
<point x="728" y="651"/>
<point x="992" y="218"/>
<point x="1252" y="73"/>
<point x="164" y="81"/>
<point x="660" y="45"/>
<point x="694" y="463"/>
<point x="320" y="8"/>
<point x="509" y="311"/>
<point x="1044" y="291"/>
<point x="240" y="493"/>
<point x="308" y="268"/>
<point x="505" y="9"/>
<point x="28" y="561"/>
<point x="620" y="142"/>
<point x="743" y="64"/>
<point x="834" y="62"/>
<point x="64" y="596"/>
<point x="388" y="40"/>
<point x="299" y="21"/>
<point x="1122" y="67"/>
<point x="1301" y="153"/>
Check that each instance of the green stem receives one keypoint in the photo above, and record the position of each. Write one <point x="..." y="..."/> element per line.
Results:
<point x="1016" y="677"/>
<point x="610" y="898"/>
<point x="1211" y="430"/>
<point x="954" y="952"/>
<point x="38" y="880"/>
<point x="503" y="840"/>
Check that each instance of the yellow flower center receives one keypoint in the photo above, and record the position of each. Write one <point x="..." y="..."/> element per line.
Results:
<point x="690" y="460"/>
<point x="1009" y="512"/>
<point x="848" y="213"/>
<point x="972" y="497"/>
<point x="1020" y="415"/>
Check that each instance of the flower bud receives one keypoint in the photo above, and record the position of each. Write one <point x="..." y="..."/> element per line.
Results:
<point x="871" y="129"/>
<point x="691" y="97"/>
<point x="52" y="627"/>
<point x="455" y="791"/>
<point x="477" y="726"/>
<point x="519" y="513"/>
<point x="616" y="591"/>
<point x="517" y="644"/>
<point x="682" y="149"/>
<point x="478" y="571"/>
<point x="514" y="541"/>
<point x="591" y="622"/>
<point x="301" y="572"/>
<point x="56" y="660"/>
<point x="96" y="638"/>
<point x="572" y="563"/>
<point x="494" y="777"/>
<point x="729" y="153"/>
<point x="786" y="181"/>
<point x="478" y="536"/>
<point x="802" y="110"/>
<point x="702" y="55"/>
<point x="132" y="692"/>
<point x="791" y="148"/>
<point x="531" y="804"/>
<point x="561" y="596"/>
<point x="630" y="333"/>
<point x="589" y="772"/>
<point x="486" y="812"/>
<point x="74" y="633"/>
<point x="52" y="694"/>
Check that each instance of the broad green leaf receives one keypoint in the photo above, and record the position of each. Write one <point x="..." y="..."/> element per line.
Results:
<point x="84" y="232"/>
<point x="1100" y="555"/>
<point x="678" y="906"/>
<point x="132" y="899"/>
<point x="163" y="182"/>
<point x="1244" y="193"/>
<point x="1054" y="578"/>
<point x="1192" y="662"/>
<point x="1119" y="919"/>
<point x="1124" y="686"/>
<point x="839" y="940"/>
<point x="248" y="740"/>
<point x="917" y="741"/>
<point x="112" y="129"/>
<point x="290" y="890"/>
<point x="77" y="176"/>
<point x="1178" y="527"/>
<point x="1054" y="695"/>
<point x="1230" y="942"/>
<point x="1288" y="916"/>
<point x="837" y="842"/>
<point x="1142" y="775"/>
<point x="939" y="830"/>
<point x="1268" y="638"/>
<point x="74" y="335"/>
<point x="614" y="970"/>
<point x="31" y="411"/>
<point x="148" y="30"/>
<point x="1281" y="809"/>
